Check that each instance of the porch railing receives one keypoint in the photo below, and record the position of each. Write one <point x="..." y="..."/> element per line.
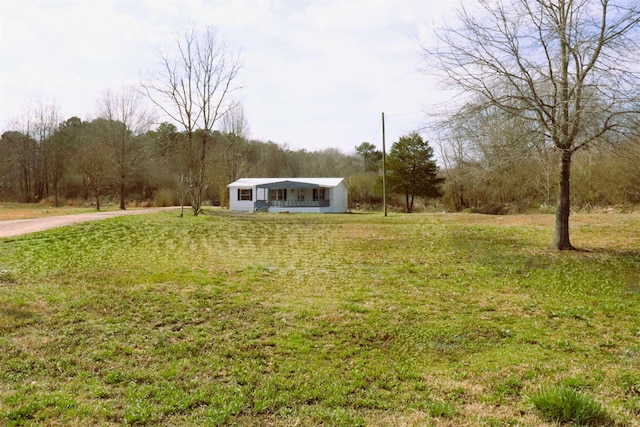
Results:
<point x="261" y="205"/>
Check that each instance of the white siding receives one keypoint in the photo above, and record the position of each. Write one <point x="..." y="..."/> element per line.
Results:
<point x="336" y="188"/>
<point x="339" y="196"/>
<point x="241" y="205"/>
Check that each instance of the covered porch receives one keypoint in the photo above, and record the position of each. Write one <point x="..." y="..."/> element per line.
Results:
<point x="294" y="196"/>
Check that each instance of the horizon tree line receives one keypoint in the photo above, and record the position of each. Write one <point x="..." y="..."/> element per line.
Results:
<point x="481" y="174"/>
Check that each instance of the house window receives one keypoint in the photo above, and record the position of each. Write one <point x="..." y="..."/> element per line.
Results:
<point x="319" y="194"/>
<point x="278" y="194"/>
<point x="245" y="194"/>
<point x="300" y="196"/>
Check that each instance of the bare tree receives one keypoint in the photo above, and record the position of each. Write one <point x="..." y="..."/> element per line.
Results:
<point x="7" y="167"/>
<point x="568" y="66"/>
<point x="494" y="162"/>
<point x="125" y="121"/>
<point x="93" y="159"/>
<point x="46" y="122"/>
<point x="236" y="128"/>
<point x="192" y="88"/>
<point x="25" y="148"/>
<point x="37" y="124"/>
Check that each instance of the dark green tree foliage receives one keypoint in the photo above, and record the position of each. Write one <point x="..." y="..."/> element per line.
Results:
<point x="412" y="171"/>
<point x="62" y="148"/>
<point x="17" y="166"/>
<point x="371" y="158"/>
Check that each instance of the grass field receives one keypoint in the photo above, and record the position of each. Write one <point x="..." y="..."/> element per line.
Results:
<point x="332" y="320"/>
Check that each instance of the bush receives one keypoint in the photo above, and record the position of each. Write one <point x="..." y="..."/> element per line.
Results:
<point x="165" y="197"/>
<point x="7" y="277"/>
<point x="442" y="410"/>
<point x="493" y="209"/>
<point x="500" y="209"/>
<point x="565" y="405"/>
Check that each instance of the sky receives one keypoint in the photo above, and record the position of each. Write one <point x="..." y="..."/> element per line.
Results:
<point x="316" y="74"/>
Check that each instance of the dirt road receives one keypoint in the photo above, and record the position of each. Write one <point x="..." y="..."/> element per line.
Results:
<point x="17" y="227"/>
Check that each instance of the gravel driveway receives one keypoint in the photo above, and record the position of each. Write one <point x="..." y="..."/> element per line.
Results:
<point x="16" y="227"/>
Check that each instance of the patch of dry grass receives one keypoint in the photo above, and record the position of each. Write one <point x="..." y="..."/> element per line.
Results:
<point x="10" y="211"/>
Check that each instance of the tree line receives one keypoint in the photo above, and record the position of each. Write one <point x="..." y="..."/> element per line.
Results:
<point x="103" y="159"/>
<point x="495" y="165"/>
<point x="117" y="158"/>
<point x="485" y="166"/>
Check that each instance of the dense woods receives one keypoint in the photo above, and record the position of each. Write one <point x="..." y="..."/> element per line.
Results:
<point x="497" y="165"/>
<point x="74" y="161"/>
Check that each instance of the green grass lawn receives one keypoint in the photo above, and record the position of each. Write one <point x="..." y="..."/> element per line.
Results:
<point x="333" y="320"/>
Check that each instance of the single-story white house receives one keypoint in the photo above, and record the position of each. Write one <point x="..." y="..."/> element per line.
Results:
<point x="306" y="195"/>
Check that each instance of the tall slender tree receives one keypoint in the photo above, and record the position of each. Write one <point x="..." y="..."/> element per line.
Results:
<point x="37" y="124"/>
<point x="62" y="145"/>
<point x="17" y="160"/>
<point x="236" y="129"/>
<point x="125" y="121"/>
<point x="193" y="88"/>
<point x="568" y="66"/>
<point x="46" y="122"/>
<point x="93" y="159"/>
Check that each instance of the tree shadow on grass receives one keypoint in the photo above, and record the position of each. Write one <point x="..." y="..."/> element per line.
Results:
<point x="16" y="313"/>
<point x="505" y="252"/>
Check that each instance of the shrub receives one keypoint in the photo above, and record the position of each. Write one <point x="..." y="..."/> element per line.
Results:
<point x="7" y="277"/>
<point x="442" y="410"/>
<point x="566" y="405"/>
<point x="492" y="209"/>
<point x="165" y="197"/>
<point x="630" y="383"/>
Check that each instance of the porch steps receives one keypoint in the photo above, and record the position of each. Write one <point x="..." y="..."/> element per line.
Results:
<point x="261" y="206"/>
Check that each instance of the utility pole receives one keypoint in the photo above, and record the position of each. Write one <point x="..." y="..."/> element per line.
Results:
<point x="384" y="170"/>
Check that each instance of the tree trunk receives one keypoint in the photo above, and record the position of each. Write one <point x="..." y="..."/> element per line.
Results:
<point x="122" y="190"/>
<point x="55" y="193"/>
<point x="97" y="193"/>
<point x="200" y="188"/>
<point x="196" y="198"/>
<point x="561" y="239"/>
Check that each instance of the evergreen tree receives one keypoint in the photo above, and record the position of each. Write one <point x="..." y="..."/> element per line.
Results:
<point x="412" y="169"/>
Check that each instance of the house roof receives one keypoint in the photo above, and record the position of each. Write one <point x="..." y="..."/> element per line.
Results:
<point x="286" y="182"/>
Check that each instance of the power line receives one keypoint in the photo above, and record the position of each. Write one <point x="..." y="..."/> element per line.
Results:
<point x="421" y="112"/>
<point x="376" y="135"/>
